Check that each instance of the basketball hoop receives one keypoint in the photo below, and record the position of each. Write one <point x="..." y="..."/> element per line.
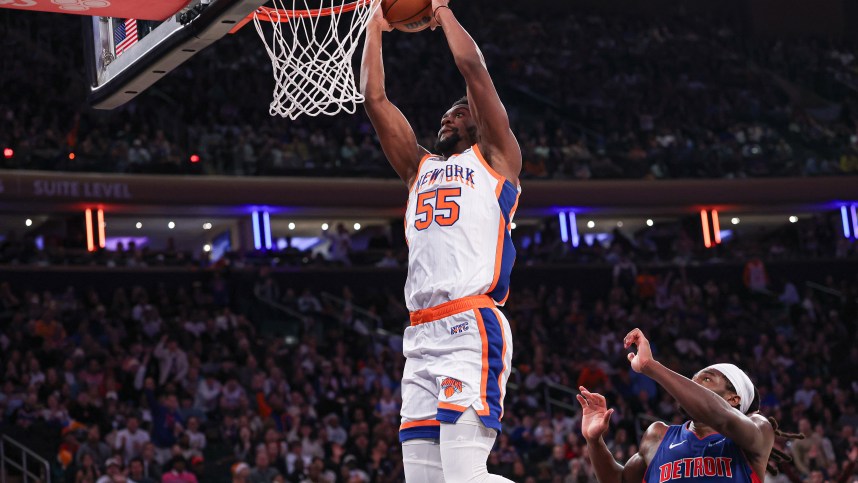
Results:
<point x="312" y="58"/>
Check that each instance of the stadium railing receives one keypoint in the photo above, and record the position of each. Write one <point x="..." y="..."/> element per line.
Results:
<point x="23" y="460"/>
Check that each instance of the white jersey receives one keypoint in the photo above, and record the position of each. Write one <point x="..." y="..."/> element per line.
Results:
<point x="457" y="225"/>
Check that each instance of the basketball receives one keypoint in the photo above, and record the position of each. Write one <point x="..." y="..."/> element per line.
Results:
<point x="407" y="15"/>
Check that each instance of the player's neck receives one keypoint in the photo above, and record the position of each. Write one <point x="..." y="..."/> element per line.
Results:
<point x="456" y="150"/>
<point x="701" y="430"/>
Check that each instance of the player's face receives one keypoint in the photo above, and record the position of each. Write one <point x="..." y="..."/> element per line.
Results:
<point x="715" y="382"/>
<point x="456" y="125"/>
<point x="712" y="380"/>
<point x="458" y="131"/>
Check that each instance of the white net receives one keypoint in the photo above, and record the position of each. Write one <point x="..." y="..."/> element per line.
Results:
<point x="311" y="49"/>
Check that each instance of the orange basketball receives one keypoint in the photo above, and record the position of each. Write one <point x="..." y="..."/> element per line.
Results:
<point x="407" y="15"/>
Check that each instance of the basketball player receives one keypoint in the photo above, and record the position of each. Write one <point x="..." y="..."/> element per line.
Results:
<point x="461" y="201"/>
<point x="727" y="440"/>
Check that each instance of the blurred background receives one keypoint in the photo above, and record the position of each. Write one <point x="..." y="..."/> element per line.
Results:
<point x="192" y="290"/>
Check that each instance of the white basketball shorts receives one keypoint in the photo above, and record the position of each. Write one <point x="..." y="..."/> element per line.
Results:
<point x="458" y="355"/>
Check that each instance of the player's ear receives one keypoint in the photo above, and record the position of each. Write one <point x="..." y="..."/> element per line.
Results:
<point x="734" y="400"/>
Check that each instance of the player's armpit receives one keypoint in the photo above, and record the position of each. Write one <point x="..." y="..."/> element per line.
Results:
<point x="650" y="441"/>
<point x="497" y="141"/>
<point x="634" y="470"/>
<point x="396" y="136"/>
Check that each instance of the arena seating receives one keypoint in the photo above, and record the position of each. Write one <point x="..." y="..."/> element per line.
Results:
<point x="618" y="97"/>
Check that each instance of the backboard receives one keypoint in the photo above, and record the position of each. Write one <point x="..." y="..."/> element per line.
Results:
<point x="125" y="56"/>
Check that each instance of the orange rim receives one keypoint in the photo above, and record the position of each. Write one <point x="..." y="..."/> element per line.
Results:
<point x="268" y="14"/>
<point x="274" y="13"/>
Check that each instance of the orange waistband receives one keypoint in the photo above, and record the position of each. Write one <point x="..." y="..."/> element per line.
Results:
<point x="452" y="307"/>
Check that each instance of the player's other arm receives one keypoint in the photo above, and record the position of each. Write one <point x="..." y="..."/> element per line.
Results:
<point x="595" y="420"/>
<point x="497" y="142"/>
<point x="395" y="133"/>
<point x="754" y="434"/>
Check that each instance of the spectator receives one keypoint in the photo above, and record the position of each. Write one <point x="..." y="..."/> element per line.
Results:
<point x="88" y="471"/>
<point x="166" y="421"/>
<point x="809" y="453"/>
<point x="339" y="242"/>
<point x="196" y="439"/>
<point x="241" y="473"/>
<point x="131" y="440"/>
<point x="262" y="472"/>
<point x="308" y="303"/>
<point x="388" y="261"/>
<point x="806" y="393"/>
<point x="93" y="447"/>
<point x="151" y="467"/>
<point x="136" y="472"/>
<point x="178" y="472"/>
<point x="173" y="362"/>
<point x="208" y="393"/>
<point x="113" y="472"/>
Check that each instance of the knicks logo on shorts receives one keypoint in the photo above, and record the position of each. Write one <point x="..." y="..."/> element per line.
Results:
<point x="451" y="386"/>
<point x="458" y="329"/>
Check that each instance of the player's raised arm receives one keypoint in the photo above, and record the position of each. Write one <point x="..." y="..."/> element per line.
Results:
<point x="497" y="142"/>
<point x="595" y="419"/>
<point x="753" y="433"/>
<point x="395" y="133"/>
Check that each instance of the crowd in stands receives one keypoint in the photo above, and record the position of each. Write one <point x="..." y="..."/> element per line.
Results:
<point x="590" y="96"/>
<point x="175" y="383"/>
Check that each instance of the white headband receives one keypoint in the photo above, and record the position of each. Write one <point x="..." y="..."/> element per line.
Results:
<point x="740" y="381"/>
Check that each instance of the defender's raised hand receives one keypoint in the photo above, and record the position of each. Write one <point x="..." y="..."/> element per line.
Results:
<point x="596" y="416"/>
<point x="644" y="355"/>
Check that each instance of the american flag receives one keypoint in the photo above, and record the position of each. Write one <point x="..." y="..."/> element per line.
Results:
<point x="124" y="35"/>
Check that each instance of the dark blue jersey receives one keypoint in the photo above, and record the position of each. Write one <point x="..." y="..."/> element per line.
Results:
<point x="713" y="459"/>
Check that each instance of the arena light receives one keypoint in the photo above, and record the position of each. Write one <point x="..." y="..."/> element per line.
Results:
<point x="357" y="226"/>
<point x="207" y="248"/>
<point x="845" y="217"/>
<point x="195" y="158"/>
<point x="735" y="221"/>
<point x="207" y="226"/>
<point x="291" y="225"/>
<point x="573" y="229"/>
<point x="101" y="227"/>
<point x="139" y="225"/>
<point x="793" y="219"/>
<point x="8" y="153"/>
<point x="257" y="235"/>
<point x="325" y="227"/>
<point x="90" y="244"/>
<point x="28" y="222"/>
<point x="171" y="225"/>
<point x="855" y="221"/>
<point x="591" y="224"/>
<point x="564" y="231"/>
<point x="716" y="227"/>
<point x="649" y="222"/>
<point x="512" y="226"/>
<point x="266" y="229"/>
<point x="71" y="156"/>
<point x="704" y="221"/>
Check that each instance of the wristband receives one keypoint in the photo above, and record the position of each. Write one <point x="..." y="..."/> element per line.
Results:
<point x="435" y="12"/>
